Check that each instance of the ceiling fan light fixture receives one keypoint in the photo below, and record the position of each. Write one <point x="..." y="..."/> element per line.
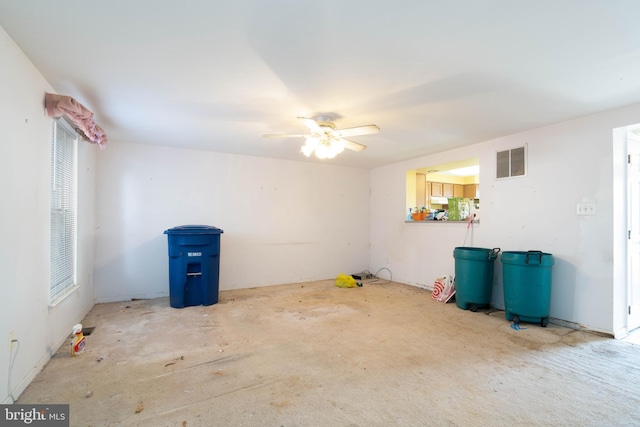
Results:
<point x="325" y="140"/>
<point x="323" y="151"/>
<point x="324" y="147"/>
<point x="310" y="145"/>
<point x="312" y="141"/>
<point x="306" y="150"/>
<point x="337" y="145"/>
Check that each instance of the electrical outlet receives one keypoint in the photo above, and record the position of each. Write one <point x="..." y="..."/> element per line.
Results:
<point x="12" y="337"/>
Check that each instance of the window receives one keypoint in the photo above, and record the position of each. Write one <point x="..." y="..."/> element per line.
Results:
<point x="63" y="209"/>
<point x="510" y="163"/>
<point x="428" y="189"/>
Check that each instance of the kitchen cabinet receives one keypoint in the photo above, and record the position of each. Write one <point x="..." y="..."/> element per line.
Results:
<point x="472" y="191"/>
<point x="436" y="189"/>
<point x="447" y="190"/>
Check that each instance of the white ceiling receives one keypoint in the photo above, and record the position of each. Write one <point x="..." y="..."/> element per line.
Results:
<point x="433" y="75"/>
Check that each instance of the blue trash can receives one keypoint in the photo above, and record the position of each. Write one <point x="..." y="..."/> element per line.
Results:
<point x="194" y="265"/>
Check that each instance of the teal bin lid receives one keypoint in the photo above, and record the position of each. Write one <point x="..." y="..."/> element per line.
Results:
<point x="194" y="229"/>
<point x="531" y="258"/>
<point x="478" y="254"/>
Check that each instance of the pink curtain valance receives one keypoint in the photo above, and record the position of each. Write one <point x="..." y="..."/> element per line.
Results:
<point x="57" y="105"/>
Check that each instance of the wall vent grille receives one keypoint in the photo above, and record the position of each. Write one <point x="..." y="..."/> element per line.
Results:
<point x="511" y="163"/>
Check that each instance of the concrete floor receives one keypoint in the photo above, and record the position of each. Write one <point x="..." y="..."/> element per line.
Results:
<point x="312" y="354"/>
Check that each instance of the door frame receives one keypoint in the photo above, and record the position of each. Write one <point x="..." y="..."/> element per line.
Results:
<point x="621" y="284"/>
<point x="633" y="286"/>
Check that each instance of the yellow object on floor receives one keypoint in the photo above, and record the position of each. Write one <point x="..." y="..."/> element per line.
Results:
<point x="344" y="281"/>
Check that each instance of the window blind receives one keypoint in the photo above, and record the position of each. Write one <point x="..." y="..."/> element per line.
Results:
<point x="63" y="208"/>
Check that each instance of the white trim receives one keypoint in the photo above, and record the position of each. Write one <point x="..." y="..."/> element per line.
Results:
<point x="620" y="333"/>
<point x="51" y="351"/>
<point x="578" y="326"/>
<point x="63" y="296"/>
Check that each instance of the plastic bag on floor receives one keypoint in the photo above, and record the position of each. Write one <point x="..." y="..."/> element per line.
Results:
<point x="344" y="281"/>
<point x="443" y="289"/>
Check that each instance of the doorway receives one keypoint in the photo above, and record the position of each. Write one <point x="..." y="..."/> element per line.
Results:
<point x="626" y="231"/>
<point x="633" y="228"/>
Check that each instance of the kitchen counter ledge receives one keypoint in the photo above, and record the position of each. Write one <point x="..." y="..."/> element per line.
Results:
<point x="429" y="221"/>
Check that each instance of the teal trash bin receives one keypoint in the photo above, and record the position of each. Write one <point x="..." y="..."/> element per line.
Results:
<point x="527" y="286"/>
<point x="474" y="276"/>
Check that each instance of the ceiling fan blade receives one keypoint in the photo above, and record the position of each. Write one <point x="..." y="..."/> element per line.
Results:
<point x="282" y="135"/>
<point x="311" y="124"/>
<point x="353" y="145"/>
<point x="360" y="130"/>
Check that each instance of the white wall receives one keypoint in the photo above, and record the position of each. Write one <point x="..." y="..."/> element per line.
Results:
<point x="568" y="163"/>
<point x="287" y="221"/>
<point x="283" y="221"/>
<point x="25" y="222"/>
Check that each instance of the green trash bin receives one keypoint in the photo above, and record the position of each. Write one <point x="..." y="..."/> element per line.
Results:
<point x="527" y="286"/>
<point x="474" y="276"/>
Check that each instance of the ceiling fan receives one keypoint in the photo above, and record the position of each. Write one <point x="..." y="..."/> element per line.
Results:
<point x="325" y="140"/>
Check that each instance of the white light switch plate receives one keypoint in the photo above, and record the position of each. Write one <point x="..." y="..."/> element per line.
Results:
<point x="586" y="208"/>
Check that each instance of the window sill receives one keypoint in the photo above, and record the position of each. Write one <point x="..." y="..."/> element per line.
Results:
<point x="63" y="296"/>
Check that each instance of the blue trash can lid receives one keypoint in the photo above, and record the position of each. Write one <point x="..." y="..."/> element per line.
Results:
<point x="534" y="258"/>
<point x="194" y="229"/>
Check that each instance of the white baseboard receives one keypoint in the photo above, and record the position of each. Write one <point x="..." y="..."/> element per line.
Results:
<point x="579" y="326"/>
<point x="40" y="364"/>
<point x="621" y="333"/>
